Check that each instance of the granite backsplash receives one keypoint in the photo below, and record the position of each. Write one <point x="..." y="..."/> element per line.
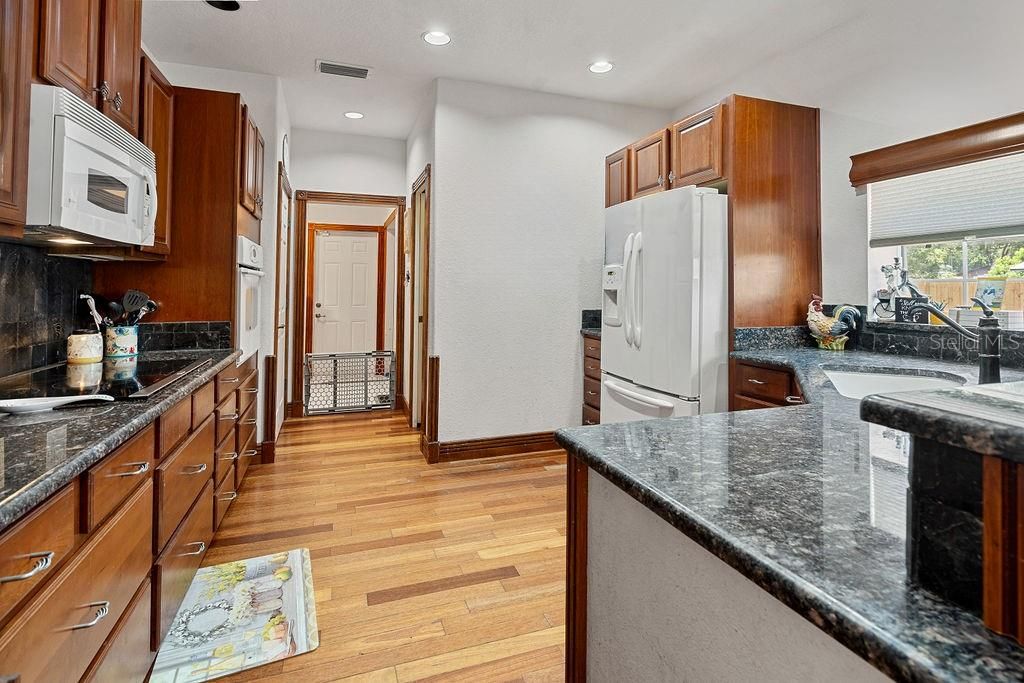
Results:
<point x="39" y="305"/>
<point x="185" y="335"/>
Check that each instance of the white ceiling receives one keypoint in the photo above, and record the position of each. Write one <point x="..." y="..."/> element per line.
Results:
<point x="665" y="51"/>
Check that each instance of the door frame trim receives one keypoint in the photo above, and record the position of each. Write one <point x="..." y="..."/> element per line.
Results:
<point x="382" y="274"/>
<point x="423" y="181"/>
<point x="299" y="331"/>
<point x="280" y="363"/>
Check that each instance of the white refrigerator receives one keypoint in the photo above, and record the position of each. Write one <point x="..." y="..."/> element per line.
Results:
<point x="664" y="337"/>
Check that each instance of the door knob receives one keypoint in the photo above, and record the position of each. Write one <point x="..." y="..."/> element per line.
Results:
<point x="318" y="315"/>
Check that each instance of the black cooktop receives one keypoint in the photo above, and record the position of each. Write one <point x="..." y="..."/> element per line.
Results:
<point x="122" y="378"/>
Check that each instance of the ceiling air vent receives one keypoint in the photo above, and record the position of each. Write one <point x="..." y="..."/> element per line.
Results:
<point x="335" y="69"/>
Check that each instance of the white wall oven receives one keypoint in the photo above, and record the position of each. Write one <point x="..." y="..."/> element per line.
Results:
<point x="247" y="314"/>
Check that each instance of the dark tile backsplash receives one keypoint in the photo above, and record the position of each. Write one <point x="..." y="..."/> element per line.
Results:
<point x="590" y="318"/>
<point x="39" y="305"/>
<point x="187" y="335"/>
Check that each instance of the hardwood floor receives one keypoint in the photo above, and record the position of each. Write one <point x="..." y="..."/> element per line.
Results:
<point x="447" y="572"/>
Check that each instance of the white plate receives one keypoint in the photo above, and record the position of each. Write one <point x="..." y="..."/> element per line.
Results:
<point x="34" y="405"/>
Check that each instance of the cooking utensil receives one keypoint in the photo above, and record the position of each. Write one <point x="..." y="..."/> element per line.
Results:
<point x="133" y="300"/>
<point x="34" y="405"/>
<point x="116" y="312"/>
<point x="141" y="313"/>
<point x="91" y="303"/>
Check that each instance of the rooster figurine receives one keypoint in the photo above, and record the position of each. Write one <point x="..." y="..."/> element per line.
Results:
<point x="831" y="332"/>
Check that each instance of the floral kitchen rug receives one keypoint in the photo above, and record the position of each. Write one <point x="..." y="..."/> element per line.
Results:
<point x="240" y="615"/>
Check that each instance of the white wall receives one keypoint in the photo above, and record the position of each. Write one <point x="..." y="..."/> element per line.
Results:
<point x="265" y="98"/>
<point x="901" y="70"/>
<point x="335" y="162"/>
<point x="517" y="248"/>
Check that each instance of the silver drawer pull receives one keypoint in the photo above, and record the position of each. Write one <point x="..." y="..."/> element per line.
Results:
<point x="252" y="391"/>
<point x="229" y="418"/>
<point x="43" y="561"/>
<point x="249" y="422"/>
<point x="251" y="453"/>
<point x="229" y="496"/>
<point x="591" y="393"/>
<point x="140" y="468"/>
<point x="200" y="551"/>
<point x="794" y="399"/>
<point x="755" y="381"/>
<point x="104" y="610"/>
<point x="231" y="380"/>
<point x="195" y="469"/>
<point x="231" y="457"/>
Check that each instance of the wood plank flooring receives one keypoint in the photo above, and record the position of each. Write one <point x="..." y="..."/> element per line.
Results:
<point x="448" y="572"/>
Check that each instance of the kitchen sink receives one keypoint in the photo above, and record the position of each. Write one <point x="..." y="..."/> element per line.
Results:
<point x="853" y="384"/>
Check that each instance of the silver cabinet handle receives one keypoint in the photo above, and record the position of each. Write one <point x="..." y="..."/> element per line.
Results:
<point x="229" y="496"/>
<point x="661" y="180"/>
<point x="230" y="457"/>
<point x="231" y="380"/>
<point x="794" y="399"/>
<point x="252" y="391"/>
<point x="249" y="422"/>
<point x="591" y="393"/>
<point x="671" y="176"/>
<point x="103" y="90"/>
<point x="140" y="468"/>
<point x="229" y="418"/>
<point x="755" y="381"/>
<point x="118" y="101"/>
<point x="43" y="561"/>
<point x="195" y="469"/>
<point x="200" y="551"/>
<point x="251" y="453"/>
<point x="104" y="610"/>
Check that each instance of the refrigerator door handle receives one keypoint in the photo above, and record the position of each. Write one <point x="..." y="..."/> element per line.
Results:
<point x="637" y="290"/>
<point x="626" y="293"/>
<point x="634" y="396"/>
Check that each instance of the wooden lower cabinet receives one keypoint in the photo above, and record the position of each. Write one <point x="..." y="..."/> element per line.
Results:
<point x="127" y="654"/>
<point x="60" y="631"/>
<point x="179" y="562"/>
<point x="591" y="380"/>
<point x="223" y="496"/>
<point x="247" y="452"/>
<point x="109" y="482"/>
<point x="756" y="386"/>
<point x="180" y="478"/>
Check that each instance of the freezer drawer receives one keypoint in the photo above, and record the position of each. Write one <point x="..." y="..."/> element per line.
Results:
<point x="623" y="401"/>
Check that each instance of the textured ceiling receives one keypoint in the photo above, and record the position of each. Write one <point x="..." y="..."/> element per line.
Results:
<point x="665" y="51"/>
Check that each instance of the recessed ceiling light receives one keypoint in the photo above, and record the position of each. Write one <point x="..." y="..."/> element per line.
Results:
<point x="601" y="67"/>
<point x="226" y="5"/>
<point x="353" y="115"/>
<point x="437" y="37"/>
<point x="67" y="240"/>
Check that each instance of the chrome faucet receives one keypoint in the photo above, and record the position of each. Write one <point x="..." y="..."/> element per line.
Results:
<point x="987" y="337"/>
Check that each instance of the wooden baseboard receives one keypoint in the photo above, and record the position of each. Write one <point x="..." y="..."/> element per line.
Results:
<point x="268" y="451"/>
<point x="492" y="447"/>
<point x="401" y="405"/>
<point x="296" y="409"/>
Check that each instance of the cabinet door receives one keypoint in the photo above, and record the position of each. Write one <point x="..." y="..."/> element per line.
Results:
<point x="121" y="36"/>
<point x="69" y="39"/>
<point x="157" y="134"/>
<point x="648" y="164"/>
<point x="259" y="149"/>
<point x="15" y="58"/>
<point x="247" y="190"/>
<point x="697" y="148"/>
<point x="616" y="177"/>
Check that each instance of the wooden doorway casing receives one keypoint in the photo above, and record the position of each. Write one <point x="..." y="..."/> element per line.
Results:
<point x="300" y="333"/>
<point x="278" y="362"/>
<point x="422" y="185"/>
<point x="382" y="273"/>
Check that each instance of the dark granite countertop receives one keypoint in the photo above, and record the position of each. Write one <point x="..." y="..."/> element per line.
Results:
<point x="592" y="332"/>
<point x="985" y="419"/>
<point x="808" y="502"/>
<point x="42" y="452"/>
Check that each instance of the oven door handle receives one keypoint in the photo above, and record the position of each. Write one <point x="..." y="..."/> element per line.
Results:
<point x="244" y="270"/>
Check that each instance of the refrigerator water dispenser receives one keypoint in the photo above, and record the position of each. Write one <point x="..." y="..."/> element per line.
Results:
<point x="611" y="281"/>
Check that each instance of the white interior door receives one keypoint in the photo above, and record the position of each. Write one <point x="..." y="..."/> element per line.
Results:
<point x="345" y="292"/>
<point x="281" y="342"/>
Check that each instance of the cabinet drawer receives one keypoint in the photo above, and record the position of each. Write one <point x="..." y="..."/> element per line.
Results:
<point x="110" y="481"/>
<point x="246" y="427"/>
<point x="31" y="551"/>
<point x="173" y="426"/>
<point x="592" y="348"/>
<point x="223" y="496"/>
<point x="127" y="655"/>
<point x="226" y="457"/>
<point x="202" y="403"/>
<point x="591" y="416"/>
<point x="179" y="480"/>
<point x="246" y="454"/>
<point x="592" y="367"/>
<point x="226" y="416"/>
<point x="740" y="402"/>
<point x="230" y="377"/>
<point x="176" y="566"/>
<point x="592" y="392"/>
<point x="57" y="635"/>
<point x="247" y="392"/>
<point x="763" y="383"/>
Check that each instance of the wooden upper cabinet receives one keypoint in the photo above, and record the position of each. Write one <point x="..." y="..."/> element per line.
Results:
<point x="121" y="39"/>
<point x="616" y="177"/>
<point x="259" y="150"/>
<point x="251" y="190"/>
<point x="697" y="149"/>
<point x="157" y="133"/>
<point x="69" y="39"/>
<point x="649" y="164"/>
<point x="15" y="67"/>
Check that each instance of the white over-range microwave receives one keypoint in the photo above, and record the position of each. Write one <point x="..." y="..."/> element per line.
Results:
<point x="89" y="181"/>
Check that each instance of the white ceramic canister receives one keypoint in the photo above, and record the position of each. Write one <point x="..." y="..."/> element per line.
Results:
<point x="121" y="341"/>
<point x="84" y="375"/>
<point x="85" y="348"/>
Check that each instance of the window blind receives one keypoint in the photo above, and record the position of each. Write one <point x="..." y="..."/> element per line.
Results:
<point x="981" y="199"/>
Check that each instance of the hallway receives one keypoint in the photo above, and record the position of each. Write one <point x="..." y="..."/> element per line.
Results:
<point x="451" y="572"/>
